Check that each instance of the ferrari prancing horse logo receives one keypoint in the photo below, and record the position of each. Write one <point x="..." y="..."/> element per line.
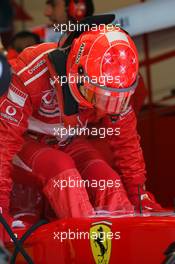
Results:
<point x="100" y="243"/>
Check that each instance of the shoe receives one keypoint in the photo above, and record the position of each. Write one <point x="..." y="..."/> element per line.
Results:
<point x="146" y="203"/>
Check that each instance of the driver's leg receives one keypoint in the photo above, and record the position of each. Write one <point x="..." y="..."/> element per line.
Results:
<point x="96" y="172"/>
<point x="54" y="168"/>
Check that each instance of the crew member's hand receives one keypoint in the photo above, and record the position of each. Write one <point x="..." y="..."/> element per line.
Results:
<point x="4" y="237"/>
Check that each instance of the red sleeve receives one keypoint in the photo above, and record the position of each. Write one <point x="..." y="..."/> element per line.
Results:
<point x="15" y="108"/>
<point x="126" y="149"/>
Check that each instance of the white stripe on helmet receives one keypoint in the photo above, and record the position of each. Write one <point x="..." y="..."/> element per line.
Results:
<point x="116" y="35"/>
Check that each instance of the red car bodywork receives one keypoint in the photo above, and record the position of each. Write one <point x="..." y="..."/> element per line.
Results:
<point x="142" y="240"/>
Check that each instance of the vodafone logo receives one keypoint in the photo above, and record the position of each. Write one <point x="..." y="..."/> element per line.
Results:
<point x="11" y="111"/>
<point x="36" y="66"/>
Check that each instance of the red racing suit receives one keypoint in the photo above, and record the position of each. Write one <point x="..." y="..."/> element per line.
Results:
<point x="31" y="104"/>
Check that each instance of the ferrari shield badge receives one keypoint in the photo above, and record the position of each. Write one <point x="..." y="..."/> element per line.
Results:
<point x="100" y="242"/>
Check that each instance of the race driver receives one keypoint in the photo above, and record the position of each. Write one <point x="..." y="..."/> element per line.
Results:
<point x="35" y="105"/>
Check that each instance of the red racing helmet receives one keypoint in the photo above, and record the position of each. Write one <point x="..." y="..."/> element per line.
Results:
<point x="102" y="69"/>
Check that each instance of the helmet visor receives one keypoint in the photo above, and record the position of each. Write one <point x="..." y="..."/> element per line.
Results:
<point x="108" y="99"/>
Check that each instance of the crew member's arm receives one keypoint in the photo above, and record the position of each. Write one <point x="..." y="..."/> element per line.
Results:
<point x="15" y="108"/>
